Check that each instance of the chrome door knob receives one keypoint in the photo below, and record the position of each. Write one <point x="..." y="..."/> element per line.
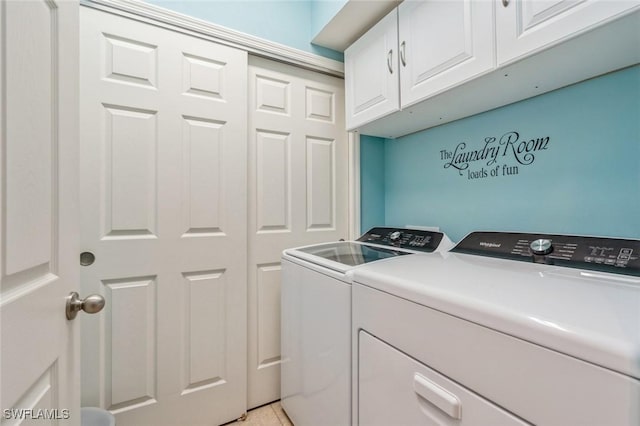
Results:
<point x="91" y="304"/>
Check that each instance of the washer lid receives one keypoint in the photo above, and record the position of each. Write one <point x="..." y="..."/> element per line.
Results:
<point x="342" y="255"/>
<point x="590" y="315"/>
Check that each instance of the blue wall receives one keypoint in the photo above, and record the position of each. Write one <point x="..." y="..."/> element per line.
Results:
<point x="322" y="11"/>
<point x="371" y="182"/>
<point x="586" y="181"/>
<point x="286" y="22"/>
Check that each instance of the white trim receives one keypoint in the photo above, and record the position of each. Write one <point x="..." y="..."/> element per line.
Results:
<point x="353" y="20"/>
<point x="156" y="15"/>
<point x="354" y="185"/>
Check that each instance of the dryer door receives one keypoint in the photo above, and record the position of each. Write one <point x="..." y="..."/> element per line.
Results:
<point x="396" y="389"/>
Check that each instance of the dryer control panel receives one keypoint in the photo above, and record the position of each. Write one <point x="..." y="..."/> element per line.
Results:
<point x="411" y="239"/>
<point x="618" y="256"/>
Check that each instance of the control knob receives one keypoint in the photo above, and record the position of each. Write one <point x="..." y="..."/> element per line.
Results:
<point x="541" y="247"/>
<point x="395" y="235"/>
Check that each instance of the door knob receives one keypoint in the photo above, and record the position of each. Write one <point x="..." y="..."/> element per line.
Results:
<point x="91" y="304"/>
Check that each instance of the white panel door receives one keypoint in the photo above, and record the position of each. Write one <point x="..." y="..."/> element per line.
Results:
<point x="443" y="44"/>
<point x="163" y="190"/>
<point x="298" y="183"/>
<point x="371" y="73"/>
<point x="525" y="26"/>
<point x="39" y="215"/>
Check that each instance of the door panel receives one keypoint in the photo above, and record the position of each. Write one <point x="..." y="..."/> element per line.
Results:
<point x="131" y="368"/>
<point x="273" y="180"/>
<point x="298" y="159"/>
<point x="163" y="168"/>
<point x="320" y="183"/>
<point x="29" y="222"/>
<point x="39" y="234"/>
<point x="268" y="315"/>
<point x="202" y="144"/>
<point x="130" y="161"/>
<point x="204" y="343"/>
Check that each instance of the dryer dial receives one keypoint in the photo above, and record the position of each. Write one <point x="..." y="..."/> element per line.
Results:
<point x="541" y="247"/>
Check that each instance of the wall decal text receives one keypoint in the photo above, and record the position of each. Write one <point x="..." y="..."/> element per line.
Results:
<point x="498" y="157"/>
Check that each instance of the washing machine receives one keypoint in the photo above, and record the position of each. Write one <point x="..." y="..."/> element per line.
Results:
<point x="505" y="329"/>
<point x="316" y="317"/>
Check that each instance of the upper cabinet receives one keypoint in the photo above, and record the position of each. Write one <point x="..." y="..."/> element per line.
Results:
<point x="442" y="43"/>
<point x="429" y="62"/>
<point x="371" y="73"/>
<point x="526" y="26"/>
<point x="416" y="51"/>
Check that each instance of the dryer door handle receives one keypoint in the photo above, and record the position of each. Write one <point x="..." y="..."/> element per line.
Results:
<point x="436" y="395"/>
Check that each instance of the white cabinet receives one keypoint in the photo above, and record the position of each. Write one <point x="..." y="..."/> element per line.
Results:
<point x="371" y="73"/>
<point x="442" y="44"/>
<point x="416" y="51"/>
<point x="525" y="27"/>
<point x="458" y="58"/>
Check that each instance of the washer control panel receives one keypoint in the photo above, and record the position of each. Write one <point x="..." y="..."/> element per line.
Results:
<point x="412" y="239"/>
<point x="618" y="256"/>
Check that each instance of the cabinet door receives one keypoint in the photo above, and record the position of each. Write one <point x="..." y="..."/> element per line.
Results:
<point x="525" y="26"/>
<point x="443" y="44"/>
<point x="371" y="73"/>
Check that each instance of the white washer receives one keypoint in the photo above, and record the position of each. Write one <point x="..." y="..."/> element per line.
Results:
<point x="478" y="336"/>
<point x="316" y="318"/>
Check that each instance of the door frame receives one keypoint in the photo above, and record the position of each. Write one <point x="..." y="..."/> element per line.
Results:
<point x="354" y="185"/>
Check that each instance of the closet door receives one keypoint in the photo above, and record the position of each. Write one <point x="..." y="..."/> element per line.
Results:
<point x="298" y="189"/>
<point x="163" y="195"/>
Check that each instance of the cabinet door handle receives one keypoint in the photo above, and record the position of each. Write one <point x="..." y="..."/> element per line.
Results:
<point x="389" y="59"/>
<point x="505" y="3"/>
<point x="402" y="58"/>
<point x="441" y="398"/>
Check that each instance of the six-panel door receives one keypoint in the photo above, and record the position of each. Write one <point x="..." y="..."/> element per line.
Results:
<point x="298" y="188"/>
<point x="39" y="214"/>
<point x="163" y="192"/>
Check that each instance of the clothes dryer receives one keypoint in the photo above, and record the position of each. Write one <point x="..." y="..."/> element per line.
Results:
<point x="506" y="328"/>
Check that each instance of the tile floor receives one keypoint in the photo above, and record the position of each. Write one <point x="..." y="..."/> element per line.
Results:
<point x="267" y="415"/>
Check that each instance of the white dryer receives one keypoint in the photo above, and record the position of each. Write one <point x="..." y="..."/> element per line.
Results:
<point x="316" y="318"/>
<point x="506" y="328"/>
